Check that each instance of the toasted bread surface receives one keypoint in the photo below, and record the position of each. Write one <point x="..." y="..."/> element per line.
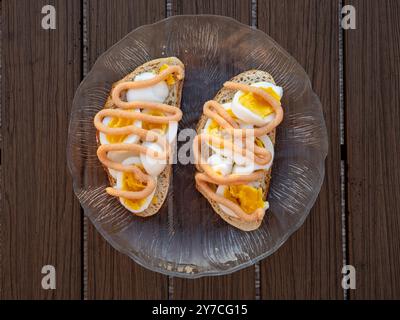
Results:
<point x="174" y="99"/>
<point x="226" y="95"/>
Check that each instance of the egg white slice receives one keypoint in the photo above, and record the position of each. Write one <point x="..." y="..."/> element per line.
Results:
<point x="243" y="125"/>
<point x="249" y="167"/>
<point x="172" y="131"/>
<point x="220" y="164"/>
<point x="130" y="161"/>
<point x="152" y="166"/>
<point x="156" y="93"/>
<point x="220" y="191"/>
<point x="248" y="116"/>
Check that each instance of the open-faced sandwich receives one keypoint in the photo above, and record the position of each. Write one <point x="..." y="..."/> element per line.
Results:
<point x="136" y="131"/>
<point x="234" y="148"/>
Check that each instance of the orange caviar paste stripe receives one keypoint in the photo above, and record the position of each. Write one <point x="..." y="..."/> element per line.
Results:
<point x="215" y="111"/>
<point x="173" y="114"/>
<point x="123" y="86"/>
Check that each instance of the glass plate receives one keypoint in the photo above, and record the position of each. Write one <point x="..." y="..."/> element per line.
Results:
<point x="187" y="238"/>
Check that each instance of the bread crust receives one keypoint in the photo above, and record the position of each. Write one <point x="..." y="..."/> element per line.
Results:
<point x="223" y="96"/>
<point x="174" y="99"/>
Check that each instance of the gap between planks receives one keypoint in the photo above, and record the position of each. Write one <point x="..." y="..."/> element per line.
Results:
<point x="257" y="272"/>
<point x="343" y="156"/>
<point x="1" y="143"/>
<point x="170" y="293"/>
<point x="84" y="224"/>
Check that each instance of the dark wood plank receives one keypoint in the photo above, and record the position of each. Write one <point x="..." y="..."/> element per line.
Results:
<point x="308" y="266"/>
<point x="238" y="9"/>
<point x="112" y="275"/>
<point x="372" y="65"/>
<point x="40" y="221"/>
<point x="240" y="285"/>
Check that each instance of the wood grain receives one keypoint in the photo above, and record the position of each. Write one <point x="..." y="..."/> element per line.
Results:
<point x="40" y="217"/>
<point x="238" y="9"/>
<point x="372" y="65"/>
<point x="308" y="265"/>
<point x="112" y="275"/>
<point x="239" y="285"/>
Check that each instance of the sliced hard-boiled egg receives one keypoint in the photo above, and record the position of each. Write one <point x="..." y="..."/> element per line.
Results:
<point x="243" y="125"/>
<point x="155" y="93"/>
<point x="250" y="166"/>
<point x="243" y="160"/>
<point x="127" y="181"/>
<point x="248" y="197"/>
<point x="220" y="164"/>
<point x="228" y="153"/>
<point x="152" y="166"/>
<point x="120" y="157"/>
<point x="212" y="127"/>
<point x="253" y="109"/>
<point x="244" y="165"/>
<point x="119" y="123"/>
<point x="169" y="130"/>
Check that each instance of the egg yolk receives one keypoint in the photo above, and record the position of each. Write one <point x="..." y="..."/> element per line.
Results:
<point x="213" y="128"/>
<point x="162" y="127"/>
<point x="118" y="123"/>
<point x="230" y="112"/>
<point x="257" y="104"/>
<point x="247" y="197"/>
<point x="259" y="143"/>
<point x="130" y="183"/>
<point x="170" y="80"/>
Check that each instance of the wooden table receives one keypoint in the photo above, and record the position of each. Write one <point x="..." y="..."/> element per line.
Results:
<point x="356" y="219"/>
